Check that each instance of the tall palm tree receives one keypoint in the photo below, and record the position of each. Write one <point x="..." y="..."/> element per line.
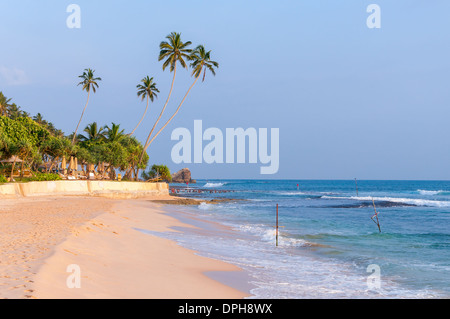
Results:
<point x="93" y="133"/>
<point x="89" y="82"/>
<point x="146" y="90"/>
<point x="173" y="51"/>
<point x="14" y="111"/>
<point x="201" y="62"/>
<point x="4" y="104"/>
<point x="113" y="133"/>
<point x="38" y="118"/>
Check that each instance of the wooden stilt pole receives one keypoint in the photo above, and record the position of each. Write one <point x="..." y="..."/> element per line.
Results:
<point x="376" y="215"/>
<point x="356" y="184"/>
<point x="277" y="228"/>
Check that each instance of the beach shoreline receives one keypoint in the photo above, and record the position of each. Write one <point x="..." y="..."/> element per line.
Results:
<point x="89" y="247"/>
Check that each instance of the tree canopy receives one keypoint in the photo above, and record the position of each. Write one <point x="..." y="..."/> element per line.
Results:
<point x="33" y="143"/>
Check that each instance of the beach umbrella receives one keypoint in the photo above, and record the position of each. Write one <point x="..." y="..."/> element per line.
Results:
<point x="71" y="163"/>
<point x="76" y="164"/>
<point x="63" y="163"/>
<point x="12" y="160"/>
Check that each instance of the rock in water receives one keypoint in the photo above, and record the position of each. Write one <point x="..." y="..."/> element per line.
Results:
<point x="182" y="176"/>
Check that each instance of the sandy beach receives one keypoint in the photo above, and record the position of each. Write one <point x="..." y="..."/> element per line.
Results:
<point x="90" y="247"/>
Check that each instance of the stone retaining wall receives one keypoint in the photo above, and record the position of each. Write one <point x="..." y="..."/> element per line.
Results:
<point x="85" y="188"/>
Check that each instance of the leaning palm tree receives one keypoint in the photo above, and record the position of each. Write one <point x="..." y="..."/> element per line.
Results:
<point x="146" y="90"/>
<point x="173" y="51"/>
<point x="89" y="82"/>
<point x="201" y="62"/>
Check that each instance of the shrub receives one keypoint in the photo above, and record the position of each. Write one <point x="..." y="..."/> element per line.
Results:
<point x="158" y="171"/>
<point x="3" y="179"/>
<point x="41" y="177"/>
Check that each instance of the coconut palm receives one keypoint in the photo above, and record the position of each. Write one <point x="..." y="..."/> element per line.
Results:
<point x="38" y="118"/>
<point x="172" y="51"/>
<point x="146" y="90"/>
<point x="113" y="133"/>
<point x="89" y="82"/>
<point x="93" y="133"/>
<point x="14" y="111"/>
<point x="4" y="104"/>
<point x="201" y="61"/>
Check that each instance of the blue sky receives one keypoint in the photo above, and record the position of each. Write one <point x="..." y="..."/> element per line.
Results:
<point x="349" y="101"/>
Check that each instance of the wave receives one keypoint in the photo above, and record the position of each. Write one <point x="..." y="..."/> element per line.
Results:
<point x="431" y="193"/>
<point x="205" y="206"/>
<point x="268" y="235"/>
<point x="365" y="204"/>
<point x="296" y="193"/>
<point x="404" y="201"/>
<point x="290" y="193"/>
<point x="211" y="185"/>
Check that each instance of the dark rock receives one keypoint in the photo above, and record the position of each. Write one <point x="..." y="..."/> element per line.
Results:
<point x="182" y="176"/>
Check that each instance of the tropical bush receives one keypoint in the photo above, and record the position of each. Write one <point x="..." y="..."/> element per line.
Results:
<point x="3" y="179"/>
<point x="158" y="171"/>
<point x="40" y="177"/>
<point x="23" y="129"/>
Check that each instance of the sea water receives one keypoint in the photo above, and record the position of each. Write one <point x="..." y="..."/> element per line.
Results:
<point x="328" y="245"/>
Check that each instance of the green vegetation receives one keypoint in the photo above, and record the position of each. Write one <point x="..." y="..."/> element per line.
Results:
<point x="158" y="171"/>
<point x="39" y="177"/>
<point x="32" y="148"/>
<point x="37" y="149"/>
<point x="3" y="179"/>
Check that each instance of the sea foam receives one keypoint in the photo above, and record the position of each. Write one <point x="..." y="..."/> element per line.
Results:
<point x="210" y="185"/>
<point x="410" y="201"/>
<point x="431" y="192"/>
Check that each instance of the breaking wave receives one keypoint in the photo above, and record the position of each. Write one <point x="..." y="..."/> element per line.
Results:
<point x="404" y="201"/>
<point x="211" y="185"/>
<point x="431" y="192"/>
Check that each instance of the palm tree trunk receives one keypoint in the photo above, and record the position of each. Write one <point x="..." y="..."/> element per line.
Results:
<point x="160" y="115"/>
<point x="162" y="128"/>
<point x="171" y="118"/>
<point x="75" y="134"/>
<point x="165" y="105"/>
<point x="141" y="117"/>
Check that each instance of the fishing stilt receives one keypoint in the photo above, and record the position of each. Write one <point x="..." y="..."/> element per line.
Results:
<point x="276" y="229"/>
<point x="376" y="216"/>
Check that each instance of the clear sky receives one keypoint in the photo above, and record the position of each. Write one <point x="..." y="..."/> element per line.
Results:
<point x="349" y="101"/>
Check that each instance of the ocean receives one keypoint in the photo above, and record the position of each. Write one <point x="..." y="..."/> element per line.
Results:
<point x="328" y="246"/>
